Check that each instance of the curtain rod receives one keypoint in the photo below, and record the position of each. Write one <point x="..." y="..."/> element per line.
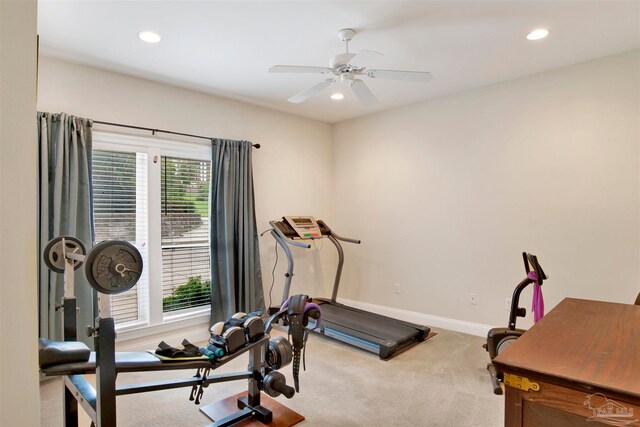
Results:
<point x="154" y="131"/>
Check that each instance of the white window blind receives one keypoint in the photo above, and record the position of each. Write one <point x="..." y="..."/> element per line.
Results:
<point x="186" y="279"/>
<point x="120" y="212"/>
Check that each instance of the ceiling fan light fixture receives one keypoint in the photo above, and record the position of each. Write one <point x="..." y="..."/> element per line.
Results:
<point x="344" y="73"/>
<point x="538" y="34"/>
<point x="149" y="36"/>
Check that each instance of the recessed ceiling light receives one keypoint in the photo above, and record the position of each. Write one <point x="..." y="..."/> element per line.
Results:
<point x="149" y="36"/>
<point x="538" y="34"/>
<point x="337" y="96"/>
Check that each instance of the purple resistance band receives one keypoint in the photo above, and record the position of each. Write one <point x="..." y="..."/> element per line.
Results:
<point x="537" y="304"/>
<point x="308" y="306"/>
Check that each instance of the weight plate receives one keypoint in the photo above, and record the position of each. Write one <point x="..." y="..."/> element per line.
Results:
<point x="54" y="254"/>
<point x="113" y="266"/>
<point x="280" y="353"/>
<point x="269" y="381"/>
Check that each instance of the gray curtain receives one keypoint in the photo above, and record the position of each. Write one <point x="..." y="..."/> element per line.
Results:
<point x="236" y="279"/>
<point x="65" y="209"/>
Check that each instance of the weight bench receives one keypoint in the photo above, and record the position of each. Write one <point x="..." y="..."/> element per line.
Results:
<point x="72" y="359"/>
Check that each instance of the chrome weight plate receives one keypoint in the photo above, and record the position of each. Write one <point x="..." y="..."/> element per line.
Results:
<point x="54" y="252"/>
<point x="113" y="266"/>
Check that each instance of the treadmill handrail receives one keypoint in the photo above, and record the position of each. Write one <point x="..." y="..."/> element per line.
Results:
<point x="337" y="236"/>
<point x="286" y="239"/>
<point x="346" y="239"/>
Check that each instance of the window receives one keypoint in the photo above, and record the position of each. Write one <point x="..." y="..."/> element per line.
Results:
<point x="119" y="209"/>
<point x="186" y="279"/>
<point x="157" y="197"/>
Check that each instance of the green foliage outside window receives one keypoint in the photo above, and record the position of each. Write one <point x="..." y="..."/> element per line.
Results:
<point x="194" y="293"/>
<point x="185" y="195"/>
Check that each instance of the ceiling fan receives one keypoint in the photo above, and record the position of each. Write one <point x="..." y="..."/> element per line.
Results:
<point x="347" y="67"/>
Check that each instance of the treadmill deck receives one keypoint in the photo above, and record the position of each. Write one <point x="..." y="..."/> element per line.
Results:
<point x="373" y="332"/>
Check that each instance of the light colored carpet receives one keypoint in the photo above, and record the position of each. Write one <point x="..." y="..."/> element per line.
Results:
<point x="440" y="382"/>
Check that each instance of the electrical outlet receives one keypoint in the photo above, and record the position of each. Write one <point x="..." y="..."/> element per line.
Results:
<point x="473" y="299"/>
<point x="396" y="288"/>
<point x="507" y="304"/>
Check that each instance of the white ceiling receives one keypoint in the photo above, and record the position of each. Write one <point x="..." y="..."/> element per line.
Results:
<point x="226" y="47"/>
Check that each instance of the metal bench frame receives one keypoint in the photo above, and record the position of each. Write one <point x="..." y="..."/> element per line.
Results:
<point x="100" y="402"/>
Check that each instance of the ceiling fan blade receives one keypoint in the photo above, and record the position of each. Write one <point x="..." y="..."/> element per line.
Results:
<point x="413" y="76"/>
<point x="297" y="69"/>
<point x="363" y="93"/>
<point x="313" y="90"/>
<point x="363" y="57"/>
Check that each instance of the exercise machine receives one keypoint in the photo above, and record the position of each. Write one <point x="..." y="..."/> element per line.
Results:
<point x="112" y="267"/>
<point x="499" y="339"/>
<point x="379" y="334"/>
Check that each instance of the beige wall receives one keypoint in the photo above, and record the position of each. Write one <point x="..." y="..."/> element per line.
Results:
<point x="292" y="170"/>
<point x="19" y="402"/>
<point x="446" y="194"/>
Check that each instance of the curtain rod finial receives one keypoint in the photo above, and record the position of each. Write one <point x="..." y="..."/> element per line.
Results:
<point x="256" y="145"/>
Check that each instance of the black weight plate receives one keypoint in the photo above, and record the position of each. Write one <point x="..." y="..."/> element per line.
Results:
<point x="53" y="253"/>
<point x="113" y="266"/>
<point x="280" y="352"/>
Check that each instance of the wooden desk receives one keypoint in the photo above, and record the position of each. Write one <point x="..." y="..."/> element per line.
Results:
<point x="585" y="357"/>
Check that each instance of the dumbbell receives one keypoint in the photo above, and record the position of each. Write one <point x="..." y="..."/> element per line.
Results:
<point x="212" y="352"/>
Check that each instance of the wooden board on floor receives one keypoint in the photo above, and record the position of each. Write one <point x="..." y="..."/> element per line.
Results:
<point x="282" y="416"/>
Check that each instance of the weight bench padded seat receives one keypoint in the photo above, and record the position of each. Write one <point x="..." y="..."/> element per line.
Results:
<point x="57" y="352"/>
<point x="125" y="362"/>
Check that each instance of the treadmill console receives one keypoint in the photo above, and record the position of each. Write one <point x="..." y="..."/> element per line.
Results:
<point x="306" y="227"/>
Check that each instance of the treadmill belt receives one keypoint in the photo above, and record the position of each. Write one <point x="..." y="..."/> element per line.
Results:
<point x="368" y="323"/>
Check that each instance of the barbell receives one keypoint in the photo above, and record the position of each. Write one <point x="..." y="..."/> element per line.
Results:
<point x="111" y="266"/>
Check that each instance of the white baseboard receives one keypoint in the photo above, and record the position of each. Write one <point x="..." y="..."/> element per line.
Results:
<point x="470" y="328"/>
<point x="194" y="334"/>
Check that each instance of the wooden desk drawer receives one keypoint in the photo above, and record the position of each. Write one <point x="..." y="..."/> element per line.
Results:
<point x="559" y="406"/>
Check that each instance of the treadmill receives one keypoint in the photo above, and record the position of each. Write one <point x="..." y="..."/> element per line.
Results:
<point x="379" y="334"/>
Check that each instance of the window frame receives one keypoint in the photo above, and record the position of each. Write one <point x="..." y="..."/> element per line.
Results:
<point x="155" y="148"/>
